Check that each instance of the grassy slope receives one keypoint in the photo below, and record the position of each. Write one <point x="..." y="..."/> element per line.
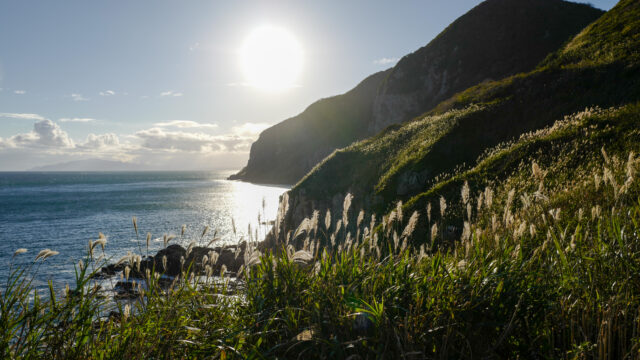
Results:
<point x="535" y="276"/>
<point x="549" y="270"/>
<point x="602" y="64"/>
<point x="568" y="151"/>
<point x="502" y="111"/>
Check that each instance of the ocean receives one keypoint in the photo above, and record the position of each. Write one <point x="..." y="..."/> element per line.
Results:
<point x="63" y="211"/>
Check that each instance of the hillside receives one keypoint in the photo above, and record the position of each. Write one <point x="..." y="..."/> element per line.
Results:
<point x="408" y="162"/>
<point x="285" y="152"/>
<point x="502" y="224"/>
<point x="495" y="39"/>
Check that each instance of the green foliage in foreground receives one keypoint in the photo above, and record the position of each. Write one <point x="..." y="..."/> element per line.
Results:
<point x="548" y="268"/>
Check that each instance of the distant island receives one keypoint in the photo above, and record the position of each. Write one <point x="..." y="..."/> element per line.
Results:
<point x="92" y="165"/>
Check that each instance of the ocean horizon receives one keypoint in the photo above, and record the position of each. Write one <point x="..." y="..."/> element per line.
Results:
<point x="62" y="211"/>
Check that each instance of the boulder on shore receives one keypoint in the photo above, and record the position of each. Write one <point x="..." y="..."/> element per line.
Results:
<point x="177" y="260"/>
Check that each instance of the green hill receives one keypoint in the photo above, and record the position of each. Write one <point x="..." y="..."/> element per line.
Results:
<point x="408" y="162"/>
<point x="495" y="39"/>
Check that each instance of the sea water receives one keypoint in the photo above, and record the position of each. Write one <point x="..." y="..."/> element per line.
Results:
<point x="63" y="211"/>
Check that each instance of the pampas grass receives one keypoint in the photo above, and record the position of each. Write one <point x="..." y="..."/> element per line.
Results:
<point x="45" y="253"/>
<point x="526" y="273"/>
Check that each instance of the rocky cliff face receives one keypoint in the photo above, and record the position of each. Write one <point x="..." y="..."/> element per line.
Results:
<point x="285" y="152"/>
<point x="495" y="39"/>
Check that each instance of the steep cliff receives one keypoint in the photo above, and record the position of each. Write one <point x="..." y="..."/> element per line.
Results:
<point x="285" y="152"/>
<point x="495" y="39"/>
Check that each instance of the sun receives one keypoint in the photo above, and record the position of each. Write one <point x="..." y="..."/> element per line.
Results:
<point x="271" y="58"/>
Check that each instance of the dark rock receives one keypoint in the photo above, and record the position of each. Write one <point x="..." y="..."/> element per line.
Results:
<point x="108" y="270"/>
<point x="232" y="257"/>
<point x="173" y="254"/>
<point x="177" y="261"/>
<point x="126" y="290"/>
<point x="114" y="315"/>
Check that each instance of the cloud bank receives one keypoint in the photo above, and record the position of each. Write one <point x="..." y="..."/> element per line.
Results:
<point x="185" y="124"/>
<point x="170" y="93"/>
<point x="173" y="144"/>
<point x="21" y="116"/>
<point x="77" y="120"/>
<point x="45" y="133"/>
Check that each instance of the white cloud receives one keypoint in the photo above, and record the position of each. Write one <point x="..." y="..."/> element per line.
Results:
<point x="194" y="46"/>
<point x="20" y="92"/>
<point x="45" y="133"/>
<point x="171" y="144"/>
<point x="185" y="124"/>
<point x="24" y="116"/>
<point x="249" y="129"/>
<point x="170" y="93"/>
<point x="159" y="139"/>
<point x="78" y="97"/>
<point x="102" y="141"/>
<point x="239" y="139"/>
<point x="107" y="93"/>
<point x="386" y="61"/>
<point x="77" y="120"/>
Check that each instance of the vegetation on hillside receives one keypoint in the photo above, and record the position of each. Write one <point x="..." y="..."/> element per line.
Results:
<point x="546" y="265"/>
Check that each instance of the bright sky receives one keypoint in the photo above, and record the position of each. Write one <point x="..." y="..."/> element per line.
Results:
<point x="175" y="84"/>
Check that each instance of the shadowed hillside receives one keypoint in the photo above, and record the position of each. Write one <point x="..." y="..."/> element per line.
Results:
<point x="285" y="152"/>
<point x="495" y="39"/>
<point x="409" y="160"/>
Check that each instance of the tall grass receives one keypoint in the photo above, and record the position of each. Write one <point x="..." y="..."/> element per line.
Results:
<point x="548" y="270"/>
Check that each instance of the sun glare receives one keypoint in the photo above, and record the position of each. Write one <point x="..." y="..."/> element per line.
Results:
<point x="271" y="59"/>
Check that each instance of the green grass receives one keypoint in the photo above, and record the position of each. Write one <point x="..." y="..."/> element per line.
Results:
<point x="615" y="36"/>
<point x="555" y="275"/>
<point x="567" y="149"/>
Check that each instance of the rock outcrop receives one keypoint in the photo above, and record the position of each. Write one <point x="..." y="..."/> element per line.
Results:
<point x="173" y="260"/>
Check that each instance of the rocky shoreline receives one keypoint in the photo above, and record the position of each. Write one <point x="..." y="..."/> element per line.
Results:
<point x="170" y="263"/>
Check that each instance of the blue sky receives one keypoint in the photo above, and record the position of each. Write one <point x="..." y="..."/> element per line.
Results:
<point x="160" y="82"/>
